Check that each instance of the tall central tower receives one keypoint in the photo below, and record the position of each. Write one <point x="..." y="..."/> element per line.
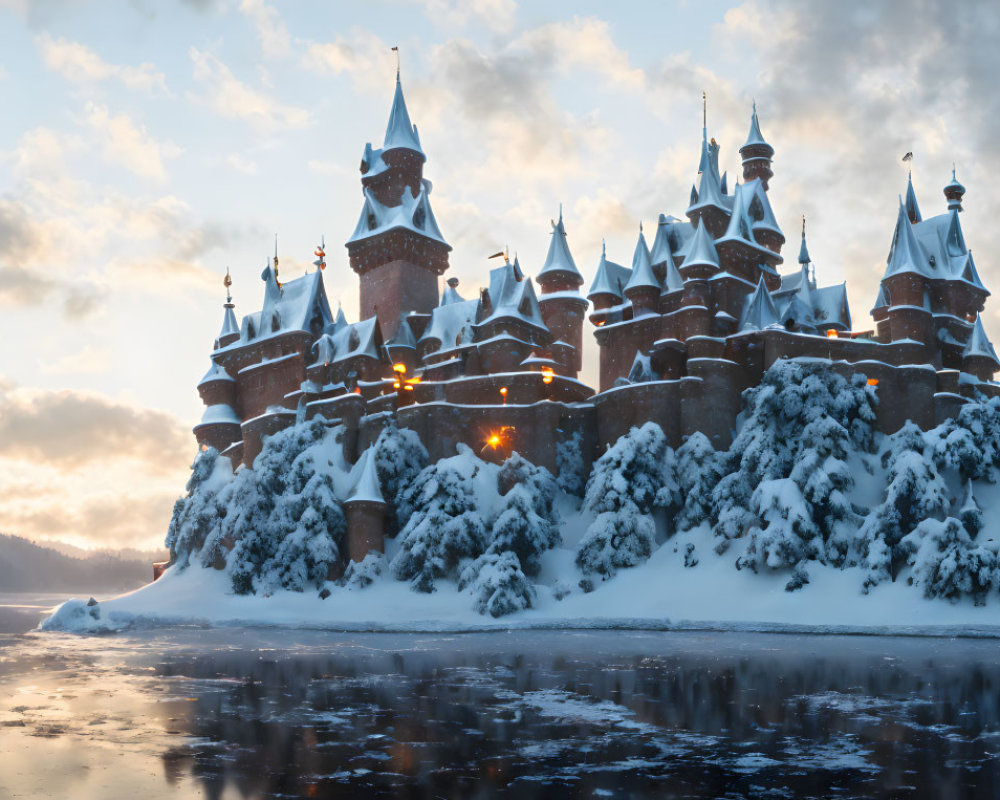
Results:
<point x="397" y="248"/>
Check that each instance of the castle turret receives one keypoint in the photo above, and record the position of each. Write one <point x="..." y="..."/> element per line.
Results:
<point x="365" y="511"/>
<point x="954" y="192"/>
<point x="979" y="358"/>
<point x="561" y="304"/>
<point x="609" y="282"/>
<point x="397" y="248"/>
<point x="756" y="154"/>
<point x="642" y="289"/>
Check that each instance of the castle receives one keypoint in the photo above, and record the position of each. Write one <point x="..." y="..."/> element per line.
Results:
<point x="696" y="319"/>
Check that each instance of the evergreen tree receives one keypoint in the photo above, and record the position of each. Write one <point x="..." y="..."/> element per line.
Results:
<point x="614" y="540"/>
<point x="498" y="585"/>
<point x="947" y="564"/>
<point x="697" y="474"/>
<point x="198" y="515"/>
<point x="399" y="457"/>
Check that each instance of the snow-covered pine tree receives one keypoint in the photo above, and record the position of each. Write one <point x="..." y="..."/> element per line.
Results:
<point x="970" y="513"/>
<point x="947" y="564"/>
<point x="499" y="587"/>
<point x="622" y="490"/>
<point x="399" y="457"/>
<point x="198" y="514"/>
<point x="788" y="534"/>
<point x="283" y="514"/>
<point x="697" y="473"/>
<point x="527" y="524"/>
<point x="915" y="492"/>
<point x="569" y="462"/>
<point x="629" y="473"/>
<point x="443" y="528"/>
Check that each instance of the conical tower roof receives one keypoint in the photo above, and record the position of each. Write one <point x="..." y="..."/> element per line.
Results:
<point x="559" y="260"/>
<point x="755" y="138"/>
<point x="642" y="276"/>
<point x="702" y="249"/>
<point x="367" y="489"/>
<point x="758" y="311"/>
<point x="803" y="250"/>
<point x="979" y="343"/>
<point x="400" y="132"/>
<point x="912" y="209"/>
<point x="905" y="254"/>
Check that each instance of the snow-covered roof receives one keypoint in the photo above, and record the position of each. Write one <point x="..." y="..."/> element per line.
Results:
<point x="354" y="339"/>
<point x="404" y="334"/>
<point x="366" y="488"/>
<point x="400" y="132"/>
<point x="954" y="183"/>
<point x="709" y="193"/>
<point x="912" y="209"/>
<point x="741" y="220"/>
<point x="979" y="343"/>
<point x="701" y="249"/>
<point x="755" y="138"/>
<point x="642" y="369"/>
<point x="229" y="324"/>
<point x="220" y="414"/>
<point x="759" y="207"/>
<point x="298" y="305"/>
<point x="339" y="322"/>
<point x="215" y="373"/>
<point x="559" y="260"/>
<point x="413" y="213"/>
<point x="830" y="306"/>
<point x="512" y="296"/>
<point x="642" y="276"/>
<point x="610" y="277"/>
<point x="758" y="310"/>
<point x="906" y="254"/>
<point x="880" y="300"/>
<point x="452" y="324"/>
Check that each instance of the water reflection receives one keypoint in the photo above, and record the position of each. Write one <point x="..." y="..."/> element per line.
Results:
<point x="528" y="715"/>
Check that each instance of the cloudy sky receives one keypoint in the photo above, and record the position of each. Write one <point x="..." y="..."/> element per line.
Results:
<point x="145" y="146"/>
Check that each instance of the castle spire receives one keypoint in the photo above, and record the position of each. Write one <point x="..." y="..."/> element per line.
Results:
<point x="559" y="261"/>
<point x="756" y="153"/>
<point x="230" y="327"/>
<point x="912" y="209"/>
<point x="400" y="132"/>
<point x="803" y="250"/>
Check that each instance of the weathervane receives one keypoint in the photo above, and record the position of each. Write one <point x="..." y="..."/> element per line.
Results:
<point x="227" y="282"/>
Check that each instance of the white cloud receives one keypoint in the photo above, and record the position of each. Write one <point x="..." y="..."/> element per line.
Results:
<point x="272" y="33"/>
<point x="228" y="97"/>
<point x="497" y="15"/>
<point x="362" y="55"/>
<point x="78" y="63"/>
<point x="88" y="361"/>
<point x="242" y="164"/>
<point x="128" y="144"/>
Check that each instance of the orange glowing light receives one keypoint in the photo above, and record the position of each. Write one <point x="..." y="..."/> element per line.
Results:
<point x="493" y="441"/>
<point x="204" y="448"/>
<point x="547" y="375"/>
<point x="831" y="334"/>
<point x="873" y="381"/>
<point x="395" y="385"/>
<point x="408" y="388"/>
<point x="400" y="368"/>
<point x="357" y="390"/>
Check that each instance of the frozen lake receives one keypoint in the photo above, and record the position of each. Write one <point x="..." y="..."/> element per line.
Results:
<point x="247" y="713"/>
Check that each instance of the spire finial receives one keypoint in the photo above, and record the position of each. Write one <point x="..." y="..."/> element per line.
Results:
<point x="640" y="226"/>
<point x="604" y="247"/>
<point x="704" y="111"/>
<point x="395" y="49"/>
<point x="754" y="100"/>
<point x="560" y="212"/>
<point x="276" y="256"/>
<point x="227" y="282"/>
<point x="803" y="226"/>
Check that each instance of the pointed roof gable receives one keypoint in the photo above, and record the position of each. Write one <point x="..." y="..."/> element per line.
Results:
<point x="880" y="299"/>
<point x="905" y="254"/>
<point x="400" y="132"/>
<point x="758" y="310"/>
<point x="912" y="209"/>
<point x="965" y="269"/>
<point x="662" y="252"/>
<point x="450" y="293"/>
<point x="610" y="277"/>
<point x="452" y="325"/>
<point x="216" y="372"/>
<point x="830" y="306"/>
<point x="367" y="489"/>
<point x="979" y="343"/>
<point x="642" y="276"/>
<point x="559" y="260"/>
<point x="803" y="250"/>
<point x="701" y="249"/>
<point x="759" y="208"/>
<point x="740" y="225"/>
<point x="709" y="193"/>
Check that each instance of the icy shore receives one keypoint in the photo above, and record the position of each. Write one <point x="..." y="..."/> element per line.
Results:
<point x="660" y="594"/>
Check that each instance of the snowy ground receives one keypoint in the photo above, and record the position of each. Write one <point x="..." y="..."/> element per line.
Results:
<point x="660" y="594"/>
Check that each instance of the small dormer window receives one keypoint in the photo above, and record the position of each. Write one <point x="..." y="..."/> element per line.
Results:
<point x="275" y="323"/>
<point x="250" y="331"/>
<point x="420" y="217"/>
<point x="353" y="341"/>
<point x="372" y="222"/>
